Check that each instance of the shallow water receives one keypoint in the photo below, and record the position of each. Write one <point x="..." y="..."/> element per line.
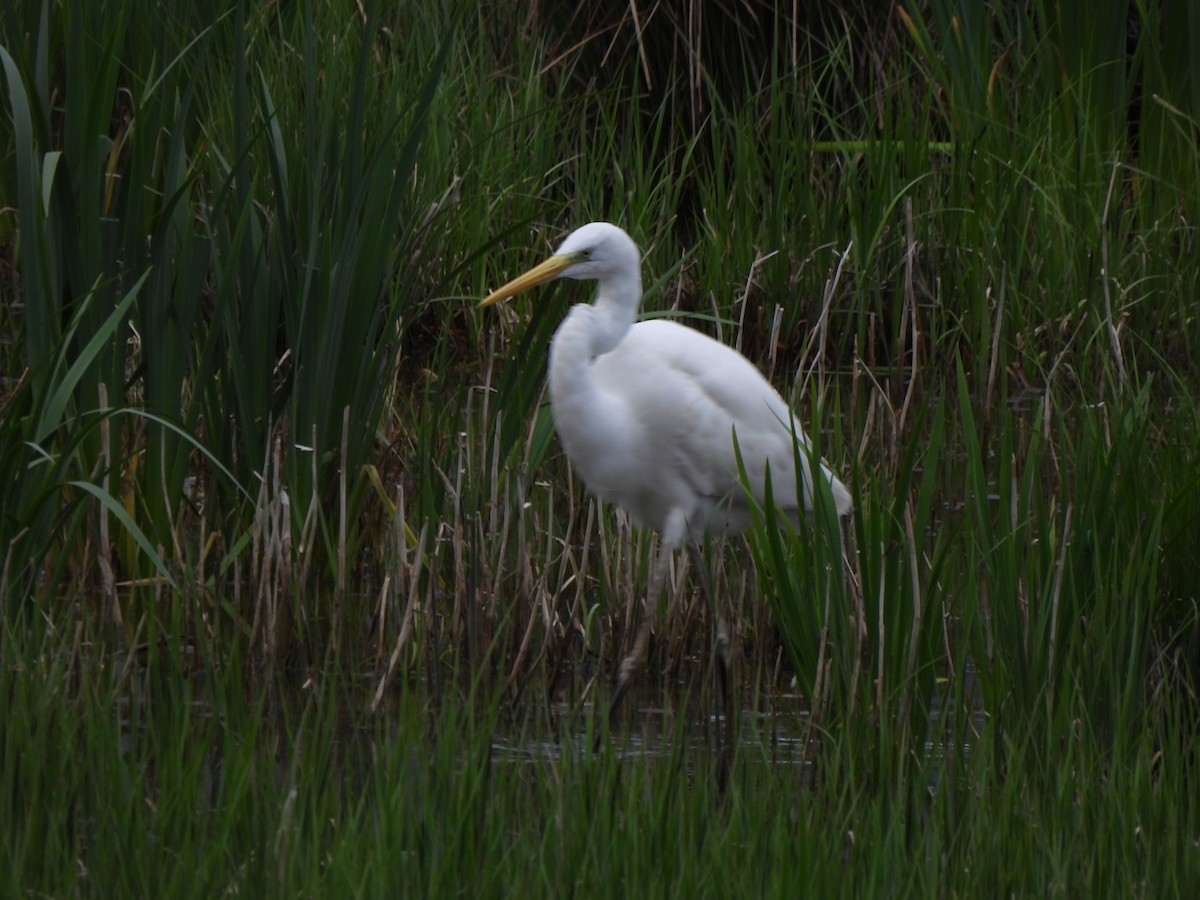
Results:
<point x="653" y="725"/>
<point x="777" y="733"/>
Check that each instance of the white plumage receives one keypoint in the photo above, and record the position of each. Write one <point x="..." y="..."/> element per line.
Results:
<point x="647" y="412"/>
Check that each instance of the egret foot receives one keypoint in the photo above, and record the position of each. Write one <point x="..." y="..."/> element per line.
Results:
<point x="630" y="666"/>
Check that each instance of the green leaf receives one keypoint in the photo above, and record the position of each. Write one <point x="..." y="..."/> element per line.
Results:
<point x="113" y="505"/>
<point x="54" y="410"/>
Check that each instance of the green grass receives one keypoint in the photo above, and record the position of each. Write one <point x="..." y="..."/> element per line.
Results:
<point x="291" y="554"/>
<point x="195" y="788"/>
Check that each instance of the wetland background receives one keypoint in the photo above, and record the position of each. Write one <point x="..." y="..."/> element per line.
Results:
<point x="299" y="596"/>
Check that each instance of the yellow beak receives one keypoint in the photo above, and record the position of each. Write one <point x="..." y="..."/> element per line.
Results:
<point x="551" y="268"/>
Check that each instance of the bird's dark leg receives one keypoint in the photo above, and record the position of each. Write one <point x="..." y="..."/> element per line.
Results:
<point x="724" y="680"/>
<point x="633" y="663"/>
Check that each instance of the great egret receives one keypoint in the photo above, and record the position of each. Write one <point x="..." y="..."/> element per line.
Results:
<point x="649" y="413"/>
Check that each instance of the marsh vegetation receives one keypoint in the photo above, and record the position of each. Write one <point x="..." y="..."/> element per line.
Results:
<point x="299" y="595"/>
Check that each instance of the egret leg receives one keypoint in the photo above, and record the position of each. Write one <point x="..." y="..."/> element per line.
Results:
<point x="633" y="663"/>
<point x="673" y="533"/>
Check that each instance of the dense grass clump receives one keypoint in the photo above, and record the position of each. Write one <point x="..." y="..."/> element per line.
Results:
<point x="299" y="596"/>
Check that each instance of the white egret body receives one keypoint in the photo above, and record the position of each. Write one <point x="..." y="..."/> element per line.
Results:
<point x="648" y="413"/>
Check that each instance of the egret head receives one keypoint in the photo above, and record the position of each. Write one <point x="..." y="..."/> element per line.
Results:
<point x="597" y="251"/>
